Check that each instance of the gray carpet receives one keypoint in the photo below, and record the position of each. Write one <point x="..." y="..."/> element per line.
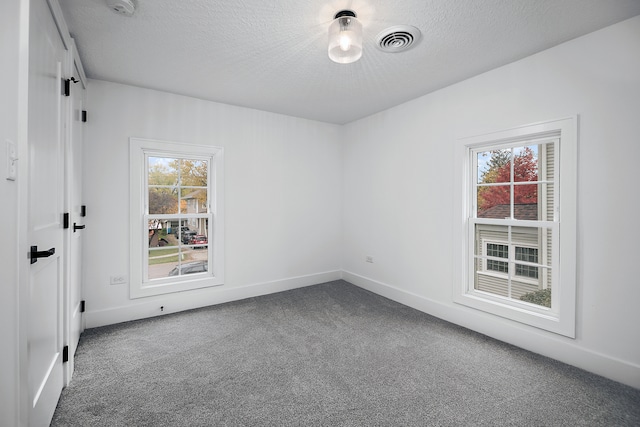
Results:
<point x="332" y="355"/>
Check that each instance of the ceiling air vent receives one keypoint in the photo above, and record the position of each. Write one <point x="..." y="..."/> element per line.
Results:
<point x="123" y="7"/>
<point x="398" y="38"/>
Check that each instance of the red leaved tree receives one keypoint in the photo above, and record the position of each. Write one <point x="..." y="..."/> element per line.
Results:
<point x="525" y="168"/>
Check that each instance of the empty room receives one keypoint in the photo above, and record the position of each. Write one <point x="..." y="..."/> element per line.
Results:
<point x="341" y="212"/>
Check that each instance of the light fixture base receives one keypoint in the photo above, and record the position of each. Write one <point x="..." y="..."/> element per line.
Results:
<point x="345" y="13"/>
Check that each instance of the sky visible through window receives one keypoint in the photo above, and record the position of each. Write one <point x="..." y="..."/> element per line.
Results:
<point x="485" y="157"/>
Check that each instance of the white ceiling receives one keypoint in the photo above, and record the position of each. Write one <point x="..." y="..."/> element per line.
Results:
<point x="272" y="54"/>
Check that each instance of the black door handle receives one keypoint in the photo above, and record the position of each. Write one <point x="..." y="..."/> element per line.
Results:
<point x="77" y="227"/>
<point x="34" y="254"/>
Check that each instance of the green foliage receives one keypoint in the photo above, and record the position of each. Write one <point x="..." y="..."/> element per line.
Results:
<point x="498" y="160"/>
<point x="162" y="201"/>
<point x="540" y="297"/>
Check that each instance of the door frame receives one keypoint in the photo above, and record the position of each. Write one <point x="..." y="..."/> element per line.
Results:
<point x="71" y="310"/>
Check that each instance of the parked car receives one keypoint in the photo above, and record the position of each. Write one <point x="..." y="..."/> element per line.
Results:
<point x="182" y="229"/>
<point x="187" y="235"/>
<point x="189" y="268"/>
<point x="198" y="241"/>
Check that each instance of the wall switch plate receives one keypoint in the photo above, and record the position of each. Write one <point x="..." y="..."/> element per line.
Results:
<point x="12" y="160"/>
<point x="118" y="280"/>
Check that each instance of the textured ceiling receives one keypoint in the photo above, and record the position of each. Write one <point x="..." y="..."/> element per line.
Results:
<point x="272" y="54"/>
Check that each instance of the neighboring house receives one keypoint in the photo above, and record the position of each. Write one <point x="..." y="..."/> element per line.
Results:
<point x="493" y="240"/>
<point x="196" y="202"/>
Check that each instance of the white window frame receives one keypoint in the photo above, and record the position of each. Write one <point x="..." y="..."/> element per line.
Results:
<point x="139" y="284"/>
<point x="560" y="318"/>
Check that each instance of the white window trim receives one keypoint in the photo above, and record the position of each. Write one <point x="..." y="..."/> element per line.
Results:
<point x="139" y="286"/>
<point x="561" y="318"/>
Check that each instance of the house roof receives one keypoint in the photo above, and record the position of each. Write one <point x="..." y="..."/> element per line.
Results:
<point x="196" y="194"/>
<point x="528" y="211"/>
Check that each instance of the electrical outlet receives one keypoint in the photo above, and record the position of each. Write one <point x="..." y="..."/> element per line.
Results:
<point x="118" y="280"/>
<point x="369" y="259"/>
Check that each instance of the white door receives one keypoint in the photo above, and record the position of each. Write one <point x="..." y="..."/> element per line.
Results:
<point x="44" y="215"/>
<point x="73" y="178"/>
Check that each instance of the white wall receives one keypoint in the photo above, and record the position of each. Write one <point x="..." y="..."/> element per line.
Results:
<point x="9" y="129"/>
<point x="299" y="204"/>
<point x="283" y="183"/>
<point x="398" y="193"/>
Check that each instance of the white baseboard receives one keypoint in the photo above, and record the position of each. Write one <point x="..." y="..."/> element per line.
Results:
<point x="545" y="343"/>
<point x="181" y="301"/>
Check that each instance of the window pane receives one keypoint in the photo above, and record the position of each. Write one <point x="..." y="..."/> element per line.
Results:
<point x="526" y="271"/>
<point x="541" y="296"/>
<point x="162" y="171"/>
<point x="525" y="204"/>
<point x="525" y="163"/>
<point x="162" y="201"/>
<point x="546" y="200"/>
<point x="162" y="261"/>
<point x="193" y="173"/>
<point x="497" y="250"/>
<point x="176" y="261"/>
<point x="198" y="241"/>
<point x="193" y="267"/>
<point x="499" y="266"/>
<point x="160" y="234"/>
<point x="193" y="200"/>
<point x="494" y="202"/>
<point x="494" y="166"/>
<point x="526" y="254"/>
<point x="490" y="283"/>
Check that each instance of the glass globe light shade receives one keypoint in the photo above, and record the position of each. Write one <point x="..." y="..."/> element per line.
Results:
<point x="345" y="38"/>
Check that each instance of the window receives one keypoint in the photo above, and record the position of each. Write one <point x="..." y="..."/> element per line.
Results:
<point x="518" y="204"/>
<point x="495" y="251"/>
<point x="527" y="255"/>
<point x="176" y="217"/>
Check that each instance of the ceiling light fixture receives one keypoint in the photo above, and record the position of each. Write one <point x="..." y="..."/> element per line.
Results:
<point x="345" y="38"/>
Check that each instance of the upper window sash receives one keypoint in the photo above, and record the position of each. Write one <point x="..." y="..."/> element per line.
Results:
<point x="511" y="144"/>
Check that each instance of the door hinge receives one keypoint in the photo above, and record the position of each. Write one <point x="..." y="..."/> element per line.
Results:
<point x="84" y="116"/>
<point x="65" y="220"/>
<point x="82" y="306"/>
<point x="66" y="87"/>
<point x="65" y="354"/>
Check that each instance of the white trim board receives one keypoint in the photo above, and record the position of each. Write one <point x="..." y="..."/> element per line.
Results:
<point x="510" y="332"/>
<point x="188" y="300"/>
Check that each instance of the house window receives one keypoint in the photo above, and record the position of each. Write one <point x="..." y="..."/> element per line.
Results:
<point x="176" y="217"/>
<point x="528" y="255"/>
<point x="497" y="251"/>
<point x="519" y="204"/>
